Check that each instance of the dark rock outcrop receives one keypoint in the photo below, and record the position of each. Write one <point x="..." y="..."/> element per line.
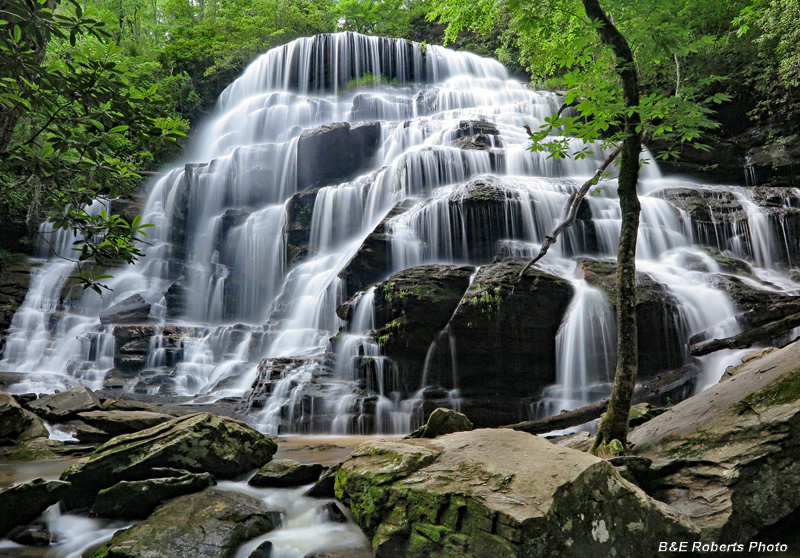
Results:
<point x="662" y="336"/>
<point x="285" y="473"/>
<point x="499" y="494"/>
<point x="15" y="278"/>
<point x="131" y="310"/>
<point x="299" y="211"/>
<point x="504" y="333"/>
<point x="138" y="499"/>
<point x="35" y="534"/>
<point x="24" y="502"/>
<point x="65" y="405"/>
<point x="335" y="152"/>
<point x="720" y="217"/>
<point x="209" y="524"/>
<point x="476" y="134"/>
<point x="411" y="309"/>
<point x="373" y="260"/>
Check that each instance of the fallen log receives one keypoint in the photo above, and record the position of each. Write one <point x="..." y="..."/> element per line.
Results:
<point x="749" y="338"/>
<point x="651" y="392"/>
<point x="755" y="318"/>
<point x="567" y="419"/>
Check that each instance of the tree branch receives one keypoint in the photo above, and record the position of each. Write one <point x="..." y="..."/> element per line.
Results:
<point x="571" y="209"/>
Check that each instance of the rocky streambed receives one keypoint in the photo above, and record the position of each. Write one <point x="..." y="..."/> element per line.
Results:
<point x="719" y="467"/>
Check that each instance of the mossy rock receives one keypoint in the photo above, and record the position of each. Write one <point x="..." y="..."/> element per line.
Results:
<point x="285" y="473"/>
<point x="209" y="524"/>
<point x="199" y="443"/>
<point x="138" y="499"/>
<point x="441" y="422"/>
<point x="499" y="494"/>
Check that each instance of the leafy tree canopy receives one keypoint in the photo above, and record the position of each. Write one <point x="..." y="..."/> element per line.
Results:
<point x="556" y="41"/>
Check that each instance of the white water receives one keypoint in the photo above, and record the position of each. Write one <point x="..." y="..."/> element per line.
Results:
<point x="305" y="527"/>
<point x="220" y="225"/>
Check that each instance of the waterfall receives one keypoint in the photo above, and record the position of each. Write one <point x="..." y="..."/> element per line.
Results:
<point x="304" y="158"/>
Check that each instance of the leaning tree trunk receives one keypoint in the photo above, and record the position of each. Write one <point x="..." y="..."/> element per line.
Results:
<point x="612" y="432"/>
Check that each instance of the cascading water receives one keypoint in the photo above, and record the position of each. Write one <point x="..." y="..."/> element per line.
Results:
<point x="244" y="266"/>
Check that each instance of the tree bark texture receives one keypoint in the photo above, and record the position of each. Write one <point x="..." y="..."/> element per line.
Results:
<point x="615" y="424"/>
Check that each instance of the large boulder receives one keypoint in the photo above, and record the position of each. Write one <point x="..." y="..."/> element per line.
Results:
<point x="412" y="307"/>
<point x="504" y="332"/>
<point x="138" y="499"/>
<point x="285" y="473"/>
<point x="209" y="524"/>
<point x="22" y="503"/>
<point x="335" y="152"/>
<point x="199" y="443"/>
<point x="497" y="494"/>
<point x="123" y="422"/>
<point x="18" y="424"/>
<point x="131" y="310"/>
<point x="65" y="405"/>
<point x="729" y="457"/>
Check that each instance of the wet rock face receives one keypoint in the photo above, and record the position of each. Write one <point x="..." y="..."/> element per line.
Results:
<point x="297" y="229"/>
<point x="661" y="337"/>
<point x="504" y="330"/>
<point x="501" y="331"/>
<point x="721" y="219"/>
<point x="198" y="443"/>
<point x="132" y="344"/>
<point x="15" y="277"/>
<point x="373" y="260"/>
<point x="499" y="493"/>
<point x="208" y="524"/>
<point x="411" y="309"/>
<point x="728" y="457"/>
<point x="335" y="152"/>
<point x="476" y="134"/>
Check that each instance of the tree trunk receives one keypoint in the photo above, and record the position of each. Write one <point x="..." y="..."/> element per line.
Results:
<point x="612" y="431"/>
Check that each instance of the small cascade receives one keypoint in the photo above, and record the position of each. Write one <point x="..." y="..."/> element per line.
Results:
<point x="586" y="347"/>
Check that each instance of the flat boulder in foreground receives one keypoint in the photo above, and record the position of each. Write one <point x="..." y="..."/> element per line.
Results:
<point x="729" y="457"/>
<point x="498" y="494"/>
